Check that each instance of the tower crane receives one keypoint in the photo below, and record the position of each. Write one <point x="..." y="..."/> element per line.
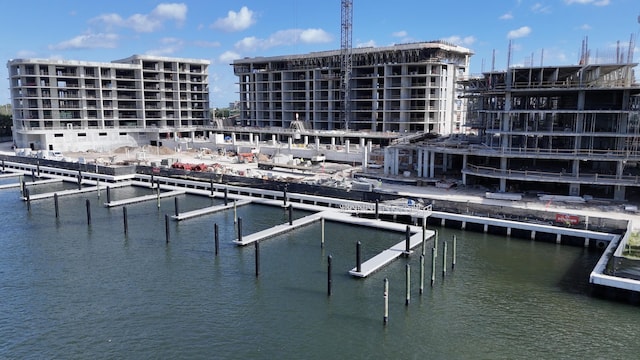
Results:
<point x="346" y="61"/>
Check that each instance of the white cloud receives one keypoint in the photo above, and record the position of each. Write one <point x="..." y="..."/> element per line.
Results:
<point x="146" y="22"/>
<point x="235" y="21"/>
<point x="506" y="16"/>
<point x="88" y="41"/>
<point x="169" y="45"/>
<point x="462" y="41"/>
<point x="585" y="27"/>
<point x="206" y="44"/>
<point x="283" y="38"/>
<point x="370" y="43"/>
<point x="519" y="33"/>
<point x="227" y="57"/>
<point x="540" y="9"/>
<point x="588" y="2"/>
<point x="399" y="34"/>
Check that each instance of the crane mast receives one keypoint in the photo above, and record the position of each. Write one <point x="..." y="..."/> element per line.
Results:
<point x="346" y="63"/>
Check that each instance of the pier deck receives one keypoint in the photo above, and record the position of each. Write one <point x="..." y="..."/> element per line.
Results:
<point x="39" y="182"/>
<point x="277" y="230"/>
<point x="208" y="210"/>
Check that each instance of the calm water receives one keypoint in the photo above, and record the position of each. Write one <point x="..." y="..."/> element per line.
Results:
<point x="70" y="290"/>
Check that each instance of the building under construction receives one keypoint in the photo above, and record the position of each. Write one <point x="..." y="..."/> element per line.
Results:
<point x="401" y="88"/>
<point x="566" y="130"/>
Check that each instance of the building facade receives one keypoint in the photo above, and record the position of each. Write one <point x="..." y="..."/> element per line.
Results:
<point x="565" y="130"/>
<point x="77" y="106"/>
<point x="401" y="88"/>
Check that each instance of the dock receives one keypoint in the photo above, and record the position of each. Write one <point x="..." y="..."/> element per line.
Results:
<point x="379" y="261"/>
<point x="208" y="210"/>
<point x="277" y="230"/>
<point x="68" y="192"/>
<point x="144" y="198"/>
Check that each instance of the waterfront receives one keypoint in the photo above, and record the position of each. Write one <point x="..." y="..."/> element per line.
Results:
<point x="74" y="291"/>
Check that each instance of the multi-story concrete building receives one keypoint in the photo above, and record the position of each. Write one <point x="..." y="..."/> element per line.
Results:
<point x="566" y="130"/>
<point x="77" y="105"/>
<point x="401" y="88"/>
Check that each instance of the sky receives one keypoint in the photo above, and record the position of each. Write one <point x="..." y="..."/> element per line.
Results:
<point x="550" y="32"/>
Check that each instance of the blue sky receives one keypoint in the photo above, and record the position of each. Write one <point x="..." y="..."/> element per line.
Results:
<point x="221" y="31"/>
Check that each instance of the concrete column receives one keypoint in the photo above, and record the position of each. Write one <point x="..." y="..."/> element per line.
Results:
<point x="619" y="193"/>
<point x="420" y="160"/>
<point x="396" y="159"/>
<point x="365" y="159"/>
<point x="250" y="139"/>
<point x="445" y="162"/>
<point x="273" y="139"/>
<point x="558" y="238"/>
<point x="369" y="145"/>
<point x="317" y="143"/>
<point x="574" y="189"/>
<point x="503" y="180"/>
<point x="361" y="142"/>
<point x="432" y="165"/>
<point x="333" y="143"/>
<point x="388" y="162"/>
<point x="347" y="144"/>
<point x="233" y="138"/>
<point x="306" y="140"/>
<point x="464" y="166"/>
<point x="289" y="142"/>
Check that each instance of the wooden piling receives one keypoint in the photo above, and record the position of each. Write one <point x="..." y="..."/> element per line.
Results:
<point x="329" y="280"/>
<point x="88" y="205"/>
<point x="408" y="285"/>
<point x="358" y="257"/>
<point x="386" y="301"/>
<point x="166" y="227"/>
<point x="216" y="238"/>
<point x="125" y="220"/>
<point x="55" y="205"/>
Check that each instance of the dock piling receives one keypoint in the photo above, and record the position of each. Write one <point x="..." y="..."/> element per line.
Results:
<point x="211" y="185"/>
<point x="433" y="265"/>
<point x="88" y="205"/>
<point x="176" y="205"/>
<point x="444" y="258"/>
<point x="424" y="238"/>
<point x="108" y="194"/>
<point x="290" y="214"/>
<point x="358" y="257"/>
<point x="125" y="220"/>
<point x="240" y="229"/>
<point x="158" y="195"/>
<point x="421" y="274"/>
<point x="2" y="165"/>
<point x="322" y="233"/>
<point x="28" y="198"/>
<point x="386" y="301"/>
<point x="284" y="196"/>
<point x="55" y="205"/>
<point x="235" y="212"/>
<point x="329" y="280"/>
<point x="377" y="209"/>
<point x="216" y="238"/>
<point x="407" y="239"/>
<point x="453" y="261"/>
<point x="33" y="175"/>
<point x="257" y="246"/>
<point x="38" y="168"/>
<point x="166" y="227"/>
<point x="408" y="285"/>
<point x="79" y="180"/>
<point x="21" y="180"/>
<point x="226" y="196"/>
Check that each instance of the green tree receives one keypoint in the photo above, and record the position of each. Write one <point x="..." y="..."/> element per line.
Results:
<point x="5" y="125"/>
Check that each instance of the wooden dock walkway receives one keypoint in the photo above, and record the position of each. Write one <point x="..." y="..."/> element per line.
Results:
<point x="144" y="198"/>
<point x="208" y="210"/>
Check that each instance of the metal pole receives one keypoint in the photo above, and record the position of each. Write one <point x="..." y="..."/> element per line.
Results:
<point x="433" y="265"/>
<point x="407" y="239"/>
<point x="176" y="205"/>
<point x="329" y="280"/>
<point x="386" y="301"/>
<point x="421" y="274"/>
<point x="108" y="194"/>
<point x="126" y="221"/>
<point x="240" y="230"/>
<point x="408" y="285"/>
<point x="377" y="210"/>
<point x="88" y="204"/>
<point x="453" y="262"/>
<point x="55" y="204"/>
<point x="226" y="196"/>
<point x="358" y="259"/>
<point x="216" y="238"/>
<point x="290" y="214"/>
<point x="166" y="227"/>
<point x="28" y="198"/>
<point x="257" y="245"/>
<point x="322" y="232"/>
<point x="444" y="258"/>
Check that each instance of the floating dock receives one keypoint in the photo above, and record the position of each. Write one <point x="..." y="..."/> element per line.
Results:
<point x="209" y="210"/>
<point x="144" y="198"/>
